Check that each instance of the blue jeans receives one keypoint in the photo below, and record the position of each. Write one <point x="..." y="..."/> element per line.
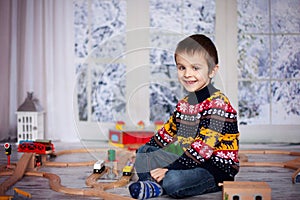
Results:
<point x="176" y="183"/>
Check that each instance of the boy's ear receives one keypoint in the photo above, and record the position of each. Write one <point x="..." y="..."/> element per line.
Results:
<point x="214" y="71"/>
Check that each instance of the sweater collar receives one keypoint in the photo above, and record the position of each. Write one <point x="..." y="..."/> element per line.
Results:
<point x="200" y="95"/>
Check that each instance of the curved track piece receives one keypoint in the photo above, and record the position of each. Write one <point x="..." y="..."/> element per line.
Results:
<point x="17" y="174"/>
<point x="55" y="184"/>
<point x="124" y="180"/>
<point x="91" y="181"/>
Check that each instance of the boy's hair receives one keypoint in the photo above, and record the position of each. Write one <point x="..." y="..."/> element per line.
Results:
<point x="199" y="43"/>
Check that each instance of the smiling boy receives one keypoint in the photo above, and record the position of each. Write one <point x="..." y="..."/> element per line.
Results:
<point x="197" y="148"/>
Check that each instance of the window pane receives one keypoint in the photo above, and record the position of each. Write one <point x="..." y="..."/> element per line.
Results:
<point x="269" y="59"/>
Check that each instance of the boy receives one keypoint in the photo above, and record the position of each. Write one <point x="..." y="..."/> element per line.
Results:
<point x="197" y="148"/>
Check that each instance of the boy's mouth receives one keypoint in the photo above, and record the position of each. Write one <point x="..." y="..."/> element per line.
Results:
<point x="190" y="82"/>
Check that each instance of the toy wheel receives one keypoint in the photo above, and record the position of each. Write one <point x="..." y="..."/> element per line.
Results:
<point x="40" y="147"/>
<point x="31" y="146"/>
<point x="22" y="146"/>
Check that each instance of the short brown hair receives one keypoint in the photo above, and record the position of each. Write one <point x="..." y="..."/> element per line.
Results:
<point x="201" y="44"/>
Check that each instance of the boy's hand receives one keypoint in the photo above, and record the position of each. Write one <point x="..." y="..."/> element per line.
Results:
<point x="158" y="174"/>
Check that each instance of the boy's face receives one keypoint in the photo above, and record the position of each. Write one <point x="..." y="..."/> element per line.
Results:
<point x="192" y="71"/>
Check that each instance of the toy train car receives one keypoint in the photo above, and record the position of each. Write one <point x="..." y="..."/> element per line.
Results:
<point x="37" y="146"/>
<point x="127" y="170"/>
<point x="99" y="167"/>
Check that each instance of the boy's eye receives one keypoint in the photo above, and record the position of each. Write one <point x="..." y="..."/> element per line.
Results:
<point x="195" y="68"/>
<point x="180" y="67"/>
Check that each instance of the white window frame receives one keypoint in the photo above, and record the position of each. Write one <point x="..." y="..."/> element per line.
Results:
<point x="226" y="39"/>
<point x="138" y="99"/>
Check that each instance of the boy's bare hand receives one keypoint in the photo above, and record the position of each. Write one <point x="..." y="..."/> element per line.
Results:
<point x="158" y="174"/>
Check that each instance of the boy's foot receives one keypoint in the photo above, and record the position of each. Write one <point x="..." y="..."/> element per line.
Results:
<point x="145" y="189"/>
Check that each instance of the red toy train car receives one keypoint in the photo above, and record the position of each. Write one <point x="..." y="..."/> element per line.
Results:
<point x="37" y="146"/>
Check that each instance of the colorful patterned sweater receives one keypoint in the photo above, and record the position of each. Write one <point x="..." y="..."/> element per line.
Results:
<point x="204" y="123"/>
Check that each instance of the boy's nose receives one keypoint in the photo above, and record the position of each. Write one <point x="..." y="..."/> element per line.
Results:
<point x="188" y="73"/>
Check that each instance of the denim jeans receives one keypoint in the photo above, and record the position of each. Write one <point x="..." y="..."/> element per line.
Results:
<point x="176" y="183"/>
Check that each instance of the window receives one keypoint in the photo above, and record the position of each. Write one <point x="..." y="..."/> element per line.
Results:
<point x="100" y="70"/>
<point x="125" y="67"/>
<point x="269" y="62"/>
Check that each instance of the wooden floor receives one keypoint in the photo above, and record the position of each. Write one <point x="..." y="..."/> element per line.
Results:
<point x="278" y="178"/>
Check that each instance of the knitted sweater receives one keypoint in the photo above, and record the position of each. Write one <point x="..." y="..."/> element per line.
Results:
<point x="204" y="123"/>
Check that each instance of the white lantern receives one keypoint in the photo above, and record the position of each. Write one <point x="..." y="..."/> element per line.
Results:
<point x="30" y="116"/>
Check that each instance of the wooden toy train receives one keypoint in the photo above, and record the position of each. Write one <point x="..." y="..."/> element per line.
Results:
<point x="127" y="170"/>
<point x="99" y="167"/>
<point x="37" y="146"/>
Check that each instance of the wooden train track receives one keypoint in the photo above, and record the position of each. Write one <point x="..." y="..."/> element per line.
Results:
<point x="291" y="164"/>
<point x="17" y="173"/>
<point x="92" y="181"/>
<point x="98" y="189"/>
<point x="55" y="184"/>
<point x="292" y="153"/>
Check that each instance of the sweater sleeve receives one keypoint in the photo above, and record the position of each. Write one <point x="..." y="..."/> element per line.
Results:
<point x="165" y="135"/>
